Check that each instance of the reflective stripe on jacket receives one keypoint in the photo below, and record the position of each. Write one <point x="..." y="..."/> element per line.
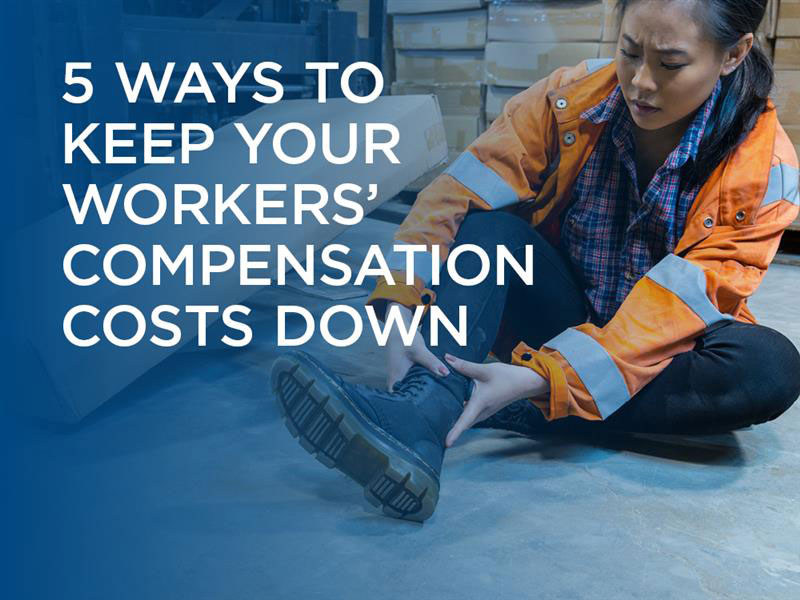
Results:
<point x="528" y="161"/>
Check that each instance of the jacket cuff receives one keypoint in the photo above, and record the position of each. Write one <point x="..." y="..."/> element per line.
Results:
<point x="410" y="296"/>
<point x="557" y="405"/>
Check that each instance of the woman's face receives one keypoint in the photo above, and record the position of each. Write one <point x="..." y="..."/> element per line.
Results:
<point x="666" y="65"/>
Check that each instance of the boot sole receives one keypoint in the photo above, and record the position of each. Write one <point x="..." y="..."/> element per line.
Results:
<point x="320" y="414"/>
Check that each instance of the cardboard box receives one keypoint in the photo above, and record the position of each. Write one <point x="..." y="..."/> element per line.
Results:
<point x="439" y="66"/>
<point x="454" y="99"/>
<point x="85" y="378"/>
<point x="425" y="180"/>
<point x="459" y="30"/>
<point x="786" y="95"/>
<point x="461" y="130"/>
<point x="787" y="53"/>
<point x="518" y="64"/>
<point x="570" y="21"/>
<point x="361" y="7"/>
<point x="496" y="98"/>
<point x="788" y="19"/>
<point x="396" y="7"/>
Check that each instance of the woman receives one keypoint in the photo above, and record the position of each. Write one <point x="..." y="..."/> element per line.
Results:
<point x="654" y="191"/>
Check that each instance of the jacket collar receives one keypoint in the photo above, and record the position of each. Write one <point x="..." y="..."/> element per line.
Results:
<point x="584" y="93"/>
<point x="738" y="183"/>
<point x="613" y="109"/>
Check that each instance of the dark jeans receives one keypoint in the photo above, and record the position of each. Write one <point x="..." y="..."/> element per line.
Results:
<point x="737" y="374"/>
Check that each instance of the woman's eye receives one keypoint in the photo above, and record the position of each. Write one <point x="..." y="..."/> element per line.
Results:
<point x="669" y="67"/>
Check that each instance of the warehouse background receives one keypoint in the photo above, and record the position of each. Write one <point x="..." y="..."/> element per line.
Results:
<point x="186" y="483"/>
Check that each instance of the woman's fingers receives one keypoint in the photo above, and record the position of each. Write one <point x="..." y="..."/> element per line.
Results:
<point x="428" y="359"/>
<point x="470" y="369"/>
<point x="467" y="419"/>
<point x="401" y="359"/>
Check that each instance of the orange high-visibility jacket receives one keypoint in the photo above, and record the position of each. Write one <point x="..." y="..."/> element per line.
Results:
<point x="528" y="161"/>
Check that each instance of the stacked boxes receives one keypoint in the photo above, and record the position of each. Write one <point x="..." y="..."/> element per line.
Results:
<point x="529" y="40"/>
<point x="787" y="68"/>
<point x="787" y="71"/>
<point x="455" y="30"/>
<point x="788" y="21"/>
<point x="442" y="53"/>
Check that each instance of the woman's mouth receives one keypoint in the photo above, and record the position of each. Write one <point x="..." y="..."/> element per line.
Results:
<point x="643" y="109"/>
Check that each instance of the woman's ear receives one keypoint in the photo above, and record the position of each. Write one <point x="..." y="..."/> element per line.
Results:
<point x="737" y="54"/>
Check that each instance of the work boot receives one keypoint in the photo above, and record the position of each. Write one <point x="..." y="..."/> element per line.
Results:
<point x="390" y="443"/>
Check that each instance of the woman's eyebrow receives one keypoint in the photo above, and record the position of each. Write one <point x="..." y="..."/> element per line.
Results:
<point x="673" y="51"/>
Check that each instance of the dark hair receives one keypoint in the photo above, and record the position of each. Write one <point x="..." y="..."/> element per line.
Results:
<point x="744" y="91"/>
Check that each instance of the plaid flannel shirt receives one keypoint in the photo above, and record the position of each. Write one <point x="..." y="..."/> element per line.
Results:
<point x="612" y="235"/>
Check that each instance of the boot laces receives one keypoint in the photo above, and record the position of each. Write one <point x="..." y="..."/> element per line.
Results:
<point x="413" y="383"/>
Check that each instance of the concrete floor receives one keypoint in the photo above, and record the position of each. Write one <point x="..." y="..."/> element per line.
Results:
<point x="187" y="485"/>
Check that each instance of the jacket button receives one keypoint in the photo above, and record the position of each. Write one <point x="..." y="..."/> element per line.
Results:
<point x="740" y="216"/>
<point x="426" y="298"/>
<point x="527" y="356"/>
<point x="561" y="103"/>
<point x="569" y="138"/>
<point x="708" y="222"/>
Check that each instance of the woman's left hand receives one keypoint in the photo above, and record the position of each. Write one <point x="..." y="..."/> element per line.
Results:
<point x="496" y="386"/>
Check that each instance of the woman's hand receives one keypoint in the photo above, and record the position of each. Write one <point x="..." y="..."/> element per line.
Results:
<point x="400" y="357"/>
<point x="496" y="386"/>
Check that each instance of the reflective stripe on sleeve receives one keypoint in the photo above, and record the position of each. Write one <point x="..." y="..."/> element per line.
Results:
<point x="594" y="366"/>
<point x="422" y="263"/>
<point x="480" y="179"/>
<point x="688" y="282"/>
<point x="782" y="185"/>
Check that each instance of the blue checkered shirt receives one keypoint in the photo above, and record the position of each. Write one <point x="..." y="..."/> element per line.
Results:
<point x="612" y="235"/>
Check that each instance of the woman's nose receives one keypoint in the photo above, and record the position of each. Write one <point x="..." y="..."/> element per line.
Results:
<point x="643" y="79"/>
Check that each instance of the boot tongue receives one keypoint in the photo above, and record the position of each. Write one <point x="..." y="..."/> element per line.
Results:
<point x="422" y="388"/>
<point x="457" y="384"/>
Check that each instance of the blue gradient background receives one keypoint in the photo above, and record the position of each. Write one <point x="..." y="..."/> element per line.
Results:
<point x="76" y="524"/>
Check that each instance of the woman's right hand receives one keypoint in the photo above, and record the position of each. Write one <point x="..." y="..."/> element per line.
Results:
<point x="400" y="357"/>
